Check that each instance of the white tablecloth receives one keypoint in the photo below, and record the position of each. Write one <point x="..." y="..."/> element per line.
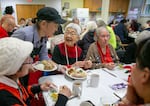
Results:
<point x="103" y="91"/>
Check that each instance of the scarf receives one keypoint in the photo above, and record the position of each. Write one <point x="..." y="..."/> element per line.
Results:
<point x="71" y="50"/>
<point x="105" y="58"/>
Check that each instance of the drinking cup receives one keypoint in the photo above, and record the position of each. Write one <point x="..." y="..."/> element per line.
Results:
<point x="77" y="88"/>
<point x="93" y="81"/>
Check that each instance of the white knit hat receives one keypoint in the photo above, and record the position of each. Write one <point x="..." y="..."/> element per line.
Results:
<point x="74" y="26"/>
<point x="13" y="53"/>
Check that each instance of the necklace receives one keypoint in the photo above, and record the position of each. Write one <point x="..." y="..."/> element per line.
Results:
<point x="66" y="52"/>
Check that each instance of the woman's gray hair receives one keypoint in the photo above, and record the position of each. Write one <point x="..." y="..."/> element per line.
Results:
<point x="91" y="25"/>
<point x="98" y="32"/>
<point x="100" y="23"/>
<point x="74" y="26"/>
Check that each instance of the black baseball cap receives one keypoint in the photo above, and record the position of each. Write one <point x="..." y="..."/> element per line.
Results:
<point x="50" y="14"/>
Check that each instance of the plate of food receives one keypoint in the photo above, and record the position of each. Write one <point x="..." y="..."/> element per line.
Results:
<point x="76" y="73"/>
<point x="45" y="65"/>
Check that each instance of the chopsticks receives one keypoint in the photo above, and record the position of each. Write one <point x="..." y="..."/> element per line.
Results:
<point x="117" y="96"/>
<point x="108" y="72"/>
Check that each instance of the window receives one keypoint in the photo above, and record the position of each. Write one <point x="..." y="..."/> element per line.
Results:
<point x="146" y="8"/>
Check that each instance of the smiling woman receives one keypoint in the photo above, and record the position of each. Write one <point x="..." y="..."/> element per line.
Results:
<point x="68" y="53"/>
<point x="68" y="49"/>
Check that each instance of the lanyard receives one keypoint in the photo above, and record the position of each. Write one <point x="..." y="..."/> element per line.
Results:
<point x="66" y="52"/>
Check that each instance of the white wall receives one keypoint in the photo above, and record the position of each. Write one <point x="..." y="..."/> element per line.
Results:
<point x="49" y="3"/>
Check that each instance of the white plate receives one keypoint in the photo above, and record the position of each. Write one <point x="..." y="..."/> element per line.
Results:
<point x="77" y="78"/>
<point x="42" y="69"/>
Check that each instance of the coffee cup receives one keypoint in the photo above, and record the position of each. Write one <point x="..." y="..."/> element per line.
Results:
<point x="86" y="103"/>
<point x="77" y="88"/>
<point x="93" y="81"/>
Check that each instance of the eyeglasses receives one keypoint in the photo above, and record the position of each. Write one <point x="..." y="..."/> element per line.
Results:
<point x="70" y="33"/>
<point x="27" y="63"/>
<point x="104" y="36"/>
<point x="29" y="60"/>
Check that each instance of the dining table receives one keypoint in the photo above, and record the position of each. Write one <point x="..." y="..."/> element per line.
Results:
<point x="103" y="93"/>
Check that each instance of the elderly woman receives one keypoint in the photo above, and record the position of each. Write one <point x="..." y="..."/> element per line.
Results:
<point x="112" y="39"/>
<point x="101" y="53"/>
<point x="138" y="92"/>
<point x="68" y="53"/>
<point x="16" y="62"/>
<point x="88" y="37"/>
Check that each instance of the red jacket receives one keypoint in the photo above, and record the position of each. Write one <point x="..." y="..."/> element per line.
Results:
<point x="14" y="97"/>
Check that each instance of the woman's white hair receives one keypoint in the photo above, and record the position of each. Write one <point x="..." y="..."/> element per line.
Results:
<point x="74" y="26"/>
<point x="98" y="32"/>
<point x="90" y="26"/>
<point x="100" y="23"/>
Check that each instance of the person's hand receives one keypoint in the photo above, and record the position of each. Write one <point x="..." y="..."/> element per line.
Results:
<point x="47" y="85"/>
<point x="79" y="64"/>
<point x="87" y="64"/>
<point x="131" y="96"/>
<point x="62" y="68"/>
<point x="32" y="69"/>
<point x="64" y="90"/>
<point x="110" y="66"/>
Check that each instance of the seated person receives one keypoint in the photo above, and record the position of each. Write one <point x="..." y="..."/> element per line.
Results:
<point x="112" y="39"/>
<point x="7" y="25"/>
<point x="68" y="53"/>
<point x="129" y="56"/>
<point x="16" y="63"/>
<point x="138" y="92"/>
<point x="88" y="37"/>
<point x="101" y="53"/>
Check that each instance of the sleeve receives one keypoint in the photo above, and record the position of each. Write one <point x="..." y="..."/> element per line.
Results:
<point x="20" y="34"/>
<point x="112" y="40"/>
<point x="93" y="55"/>
<point x="44" y="53"/>
<point x="81" y="58"/>
<point x="129" y="56"/>
<point x="114" y="54"/>
<point x="33" y="89"/>
<point x="62" y="100"/>
<point x="56" y="56"/>
<point x="7" y="99"/>
<point x="80" y="43"/>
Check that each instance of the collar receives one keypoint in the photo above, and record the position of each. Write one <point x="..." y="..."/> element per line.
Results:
<point x="8" y="81"/>
<point x="36" y="34"/>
